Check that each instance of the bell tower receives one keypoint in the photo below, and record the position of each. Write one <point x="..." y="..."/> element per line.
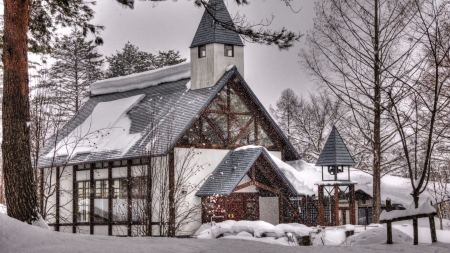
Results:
<point x="336" y="200"/>
<point x="216" y="45"/>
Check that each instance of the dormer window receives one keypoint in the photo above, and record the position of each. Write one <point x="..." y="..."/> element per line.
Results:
<point x="201" y="51"/>
<point x="229" y="50"/>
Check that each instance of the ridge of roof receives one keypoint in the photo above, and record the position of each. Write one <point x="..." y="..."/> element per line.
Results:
<point x="335" y="152"/>
<point x="141" y="80"/>
<point x="209" y="31"/>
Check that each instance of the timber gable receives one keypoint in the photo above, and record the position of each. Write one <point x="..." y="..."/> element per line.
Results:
<point x="233" y="118"/>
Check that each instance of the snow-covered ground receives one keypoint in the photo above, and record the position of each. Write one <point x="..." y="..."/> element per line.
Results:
<point x="16" y="236"/>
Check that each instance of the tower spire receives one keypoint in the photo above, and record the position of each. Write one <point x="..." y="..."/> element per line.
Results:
<point x="209" y="31"/>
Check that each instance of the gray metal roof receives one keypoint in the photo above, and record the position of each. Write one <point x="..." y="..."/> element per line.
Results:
<point x="335" y="151"/>
<point x="168" y="106"/>
<point x="232" y="169"/>
<point x="209" y="31"/>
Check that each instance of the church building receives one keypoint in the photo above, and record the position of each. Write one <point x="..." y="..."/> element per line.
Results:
<point x="160" y="152"/>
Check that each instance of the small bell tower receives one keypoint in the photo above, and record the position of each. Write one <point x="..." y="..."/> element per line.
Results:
<point x="215" y="47"/>
<point x="336" y="192"/>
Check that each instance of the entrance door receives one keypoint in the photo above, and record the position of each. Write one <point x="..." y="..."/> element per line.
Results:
<point x="344" y="215"/>
<point x="242" y="207"/>
<point x="235" y="207"/>
<point x="364" y="215"/>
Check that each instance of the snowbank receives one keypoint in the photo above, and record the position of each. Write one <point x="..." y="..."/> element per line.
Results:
<point x="378" y="236"/>
<point x="2" y="209"/>
<point x="256" y="229"/>
<point x="16" y="236"/>
<point x="334" y="237"/>
<point x="294" y="228"/>
<point x="211" y="231"/>
<point x="142" y="80"/>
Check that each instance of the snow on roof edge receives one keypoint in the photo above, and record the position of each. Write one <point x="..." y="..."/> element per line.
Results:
<point x="142" y="80"/>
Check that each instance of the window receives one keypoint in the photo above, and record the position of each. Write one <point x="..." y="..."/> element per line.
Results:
<point x="120" y="196"/>
<point x="201" y="51"/>
<point x="83" y="201"/>
<point x="229" y="50"/>
<point x="101" y="201"/>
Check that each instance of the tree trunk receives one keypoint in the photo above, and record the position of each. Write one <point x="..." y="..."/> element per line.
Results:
<point x="376" y="202"/>
<point x="415" y="223"/>
<point x="20" y="191"/>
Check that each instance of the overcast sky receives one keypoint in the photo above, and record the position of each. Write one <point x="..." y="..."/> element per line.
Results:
<point x="172" y="25"/>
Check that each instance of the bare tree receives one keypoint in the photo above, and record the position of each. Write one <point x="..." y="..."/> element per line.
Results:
<point x="354" y="49"/>
<point x="307" y="121"/>
<point x="316" y="117"/>
<point x="286" y="112"/>
<point x="439" y="188"/>
<point x="419" y="102"/>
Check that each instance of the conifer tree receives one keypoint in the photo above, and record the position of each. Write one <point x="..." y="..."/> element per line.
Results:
<point x="130" y="60"/>
<point x="78" y="64"/>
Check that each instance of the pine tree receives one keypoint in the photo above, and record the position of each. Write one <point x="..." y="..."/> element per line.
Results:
<point x="130" y="60"/>
<point x="78" y="64"/>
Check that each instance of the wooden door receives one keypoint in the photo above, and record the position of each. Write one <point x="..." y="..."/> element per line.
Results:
<point x="243" y="207"/>
<point x="235" y="204"/>
<point x="344" y="216"/>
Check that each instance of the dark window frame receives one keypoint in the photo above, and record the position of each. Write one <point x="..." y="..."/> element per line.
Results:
<point x="225" y="50"/>
<point x="200" y="51"/>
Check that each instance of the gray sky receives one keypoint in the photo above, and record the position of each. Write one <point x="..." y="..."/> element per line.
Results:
<point x="172" y="25"/>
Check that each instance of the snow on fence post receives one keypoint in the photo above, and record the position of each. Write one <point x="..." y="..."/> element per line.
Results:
<point x="389" y="224"/>
<point x="425" y="210"/>
<point x="432" y="226"/>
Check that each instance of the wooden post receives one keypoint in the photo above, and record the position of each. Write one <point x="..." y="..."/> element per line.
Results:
<point x="352" y="205"/>
<point x="416" y="231"/>
<point x="149" y="196"/>
<point x="336" y="205"/>
<point x="281" y="208"/>
<point x="91" y="198"/>
<point x="432" y="228"/>
<point x="171" y="193"/>
<point x="75" y="198"/>
<point x="57" y="192"/>
<point x="320" y="206"/>
<point x="389" y="224"/>
<point x="110" y="197"/>
<point x="41" y="192"/>
<point x="129" y="200"/>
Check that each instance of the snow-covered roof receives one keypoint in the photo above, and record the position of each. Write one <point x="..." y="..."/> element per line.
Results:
<point x="122" y="124"/>
<point x="398" y="189"/>
<point x="127" y="124"/>
<point x="233" y="168"/>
